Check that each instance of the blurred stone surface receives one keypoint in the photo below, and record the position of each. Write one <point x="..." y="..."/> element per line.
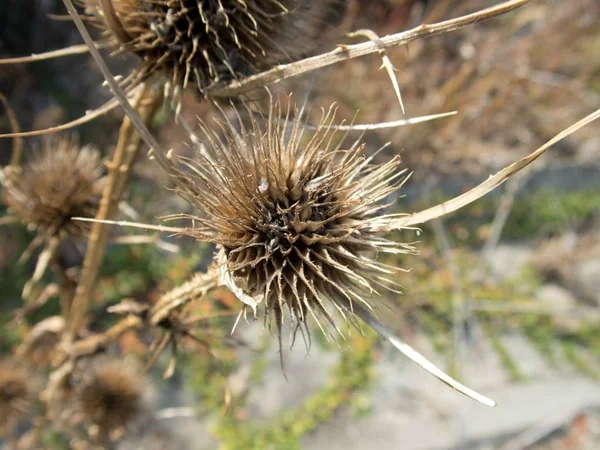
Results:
<point x="556" y="297"/>
<point x="507" y="261"/>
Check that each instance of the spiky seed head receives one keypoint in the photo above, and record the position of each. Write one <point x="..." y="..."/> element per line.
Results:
<point x="297" y="218"/>
<point x="109" y="395"/>
<point x="15" y="395"/>
<point x="61" y="181"/>
<point x="204" y="42"/>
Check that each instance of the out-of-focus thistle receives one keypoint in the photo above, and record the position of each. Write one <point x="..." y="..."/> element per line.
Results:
<point x="216" y="40"/>
<point x="61" y="181"/>
<point x="297" y="219"/>
<point x="15" y="395"/>
<point x="109" y="396"/>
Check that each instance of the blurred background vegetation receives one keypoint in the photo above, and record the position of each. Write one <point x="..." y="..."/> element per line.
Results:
<point x="505" y="294"/>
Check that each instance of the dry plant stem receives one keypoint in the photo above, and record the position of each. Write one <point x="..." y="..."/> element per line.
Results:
<point x="88" y="117"/>
<point x="146" y="101"/>
<point x="73" y="50"/>
<point x="42" y="264"/>
<point x="488" y="185"/>
<point x="17" y="149"/>
<point x="385" y="125"/>
<point x="93" y="344"/>
<point x="419" y="359"/>
<point x="346" y="52"/>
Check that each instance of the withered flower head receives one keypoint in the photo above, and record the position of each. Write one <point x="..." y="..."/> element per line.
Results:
<point x="61" y="181"/>
<point x="213" y="40"/>
<point x="298" y="219"/>
<point x="109" y="395"/>
<point x="15" y="395"/>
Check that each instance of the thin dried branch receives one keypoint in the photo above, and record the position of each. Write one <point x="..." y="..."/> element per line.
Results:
<point x="346" y="52"/>
<point x="419" y="359"/>
<point x="119" y="168"/>
<point x="17" y="149"/>
<point x="95" y="343"/>
<point x="143" y="226"/>
<point x="488" y="185"/>
<point x="386" y="125"/>
<point x="154" y="240"/>
<point x="68" y="51"/>
<point x="88" y="117"/>
<point x="40" y="268"/>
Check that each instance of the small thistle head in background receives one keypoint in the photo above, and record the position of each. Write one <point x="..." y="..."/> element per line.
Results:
<point x="15" y="395"/>
<point x="109" y="396"/>
<point x="298" y="219"/>
<point x="204" y="42"/>
<point x="61" y="181"/>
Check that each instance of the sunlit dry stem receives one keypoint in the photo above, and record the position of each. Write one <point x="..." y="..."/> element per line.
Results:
<point x="42" y="264"/>
<point x="125" y="223"/>
<point x="146" y="102"/>
<point x="88" y="117"/>
<point x="73" y="50"/>
<point x="490" y="184"/>
<point x="346" y="52"/>
<point x="415" y="356"/>
<point x="386" y="125"/>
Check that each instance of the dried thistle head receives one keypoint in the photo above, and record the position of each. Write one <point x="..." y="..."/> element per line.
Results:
<point x="109" y="395"/>
<point x="215" y="40"/>
<point x="61" y="181"/>
<point x="298" y="219"/>
<point x="15" y="395"/>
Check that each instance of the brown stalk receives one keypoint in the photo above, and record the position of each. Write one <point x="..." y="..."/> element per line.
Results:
<point x="490" y="184"/>
<point x="87" y="117"/>
<point x="73" y="50"/>
<point x="129" y="143"/>
<point x="93" y="344"/>
<point x="346" y="52"/>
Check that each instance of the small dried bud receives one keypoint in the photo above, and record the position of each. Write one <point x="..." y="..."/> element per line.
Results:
<point x="15" y="395"/>
<point x="214" y="40"/>
<point x="109" y="395"/>
<point x="297" y="219"/>
<point x="61" y="181"/>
